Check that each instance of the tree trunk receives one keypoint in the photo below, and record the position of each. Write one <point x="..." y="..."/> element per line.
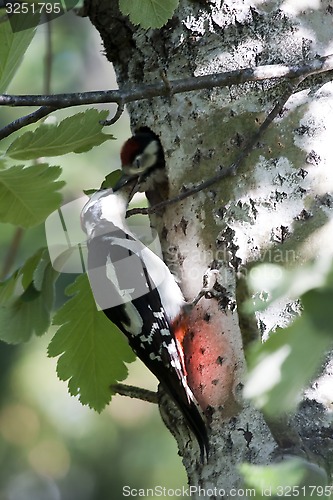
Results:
<point x="272" y="209"/>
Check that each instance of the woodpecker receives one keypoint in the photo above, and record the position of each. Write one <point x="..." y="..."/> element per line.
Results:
<point x="142" y="158"/>
<point x="137" y="292"/>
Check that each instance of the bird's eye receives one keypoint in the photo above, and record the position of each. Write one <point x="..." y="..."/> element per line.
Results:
<point x="137" y="162"/>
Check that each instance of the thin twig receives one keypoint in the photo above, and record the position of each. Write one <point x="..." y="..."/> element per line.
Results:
<point x="48" y="58"/>
<point x="44" y="110"/>
<point x="228" y="171"/>
<point x="135" y="392"/>
<point x="117" y="115"/>
<point x="159" y="89"/>
<point x="23" y="121"/>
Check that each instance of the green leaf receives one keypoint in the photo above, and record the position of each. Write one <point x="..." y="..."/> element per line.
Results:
<point x="15" y="38"/>
<point x="3" y="163"/>
<point x="148" y="13"/>
<point x="28" y="195"/>
<point x="280" y="368"/>
<point x="78" y="133"/>
<point x="89" y="192"/>
<point x="92" y="350"/>
<point x="278" y="282"/>
<point x="40" y="269"/>
<point x="294" y="477"/>
<point x="16" y="284"/>
<point x="8" y="288"/>
<point x="318" y="305"/>
<point x="111" y="179"/>
<point x="26" y="310"/>
<point x="260" y="477"/>
<point x="29" y="267"/>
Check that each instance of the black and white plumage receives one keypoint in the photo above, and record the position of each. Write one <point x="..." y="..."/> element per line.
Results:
<point x="138" y="293"/>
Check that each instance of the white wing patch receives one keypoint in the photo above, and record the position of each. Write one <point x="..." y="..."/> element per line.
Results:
<point x="130" y="309"/>
<point x="112" y="276"/>
<point x="134" y="317"/>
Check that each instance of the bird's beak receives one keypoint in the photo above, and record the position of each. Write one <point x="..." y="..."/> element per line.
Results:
<point x="124" y="179"/>
<point x="128" y="184"/>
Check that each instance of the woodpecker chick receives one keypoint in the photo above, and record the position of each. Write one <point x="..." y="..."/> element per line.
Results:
<point x="142" y="158"/>
<point x="138" y="293"/>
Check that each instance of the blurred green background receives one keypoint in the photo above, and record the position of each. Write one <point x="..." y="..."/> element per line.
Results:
<point x="52" y="448"/>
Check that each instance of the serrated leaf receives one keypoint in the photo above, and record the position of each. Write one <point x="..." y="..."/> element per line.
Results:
<point x="92" y="350"/>
<point x="28" y="314"/>
<point x="29" y="194"/>
<point x="31" y="272"/>
<point x="148" y="13"/>
<point x="78" y="133"/>
<point x="15" y="38"/>
<point x="16" y="284"/>
<point x="43" y="261"/>
<point x="8" y="287"/>
<point x="29" y="268"/>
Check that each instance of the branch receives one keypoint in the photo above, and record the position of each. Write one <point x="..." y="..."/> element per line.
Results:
<point x="160" y="89"/>
<point x="228" y="171"/>
<point x="117" y="115"/>
<point x="25" y="120"/>
<point x="135" y="392"/>
<point x="144" y="91"/>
